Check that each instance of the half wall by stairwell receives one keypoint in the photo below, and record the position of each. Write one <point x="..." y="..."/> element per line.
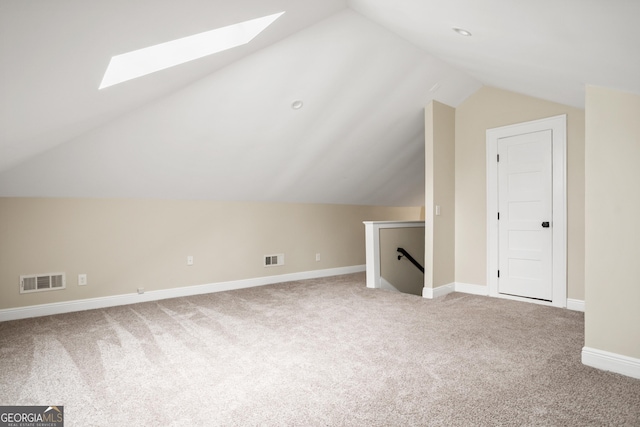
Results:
<point x="384" y="269"/>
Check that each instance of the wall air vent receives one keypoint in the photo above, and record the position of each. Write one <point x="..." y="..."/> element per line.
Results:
<point x="273" y="260"/>
<point x="42" y="282"/>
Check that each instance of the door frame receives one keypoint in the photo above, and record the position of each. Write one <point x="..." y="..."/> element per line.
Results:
<point x="558" y="126"/>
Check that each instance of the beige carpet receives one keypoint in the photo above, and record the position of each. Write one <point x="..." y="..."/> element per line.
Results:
<point x="325" y="352"/>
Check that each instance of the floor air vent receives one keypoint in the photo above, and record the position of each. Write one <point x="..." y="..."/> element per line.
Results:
<point x="42" y="282"/>
<point x="273" y="260"/>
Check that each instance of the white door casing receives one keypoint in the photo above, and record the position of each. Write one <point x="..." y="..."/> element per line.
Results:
<point x="558" y="221"/>
<point x="524" y="211"/>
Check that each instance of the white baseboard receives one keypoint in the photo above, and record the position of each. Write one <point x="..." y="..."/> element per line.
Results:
<point x="613" y="362"/>
<point x="455" y="287"/>
<point x="468" y="288"/>
<point x="112" y="301"/>
<point x="440" y="291"/>
<point x="575" y="304"/>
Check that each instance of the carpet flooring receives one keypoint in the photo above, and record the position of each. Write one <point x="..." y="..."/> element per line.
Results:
<point x="321" y="352"/>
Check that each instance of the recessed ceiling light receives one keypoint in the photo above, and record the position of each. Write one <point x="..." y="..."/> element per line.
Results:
<point x="296" y="105"/>
<point x="462" y="32"/>
<point x="150" y="59"/>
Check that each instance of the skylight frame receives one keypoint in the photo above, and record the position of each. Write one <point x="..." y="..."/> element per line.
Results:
<point x="148" y="60"/>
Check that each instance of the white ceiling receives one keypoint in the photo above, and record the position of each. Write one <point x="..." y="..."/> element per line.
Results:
<point x="222" y="127"/>
<point x="544" y="48"/>
<point x="53" y="55"/>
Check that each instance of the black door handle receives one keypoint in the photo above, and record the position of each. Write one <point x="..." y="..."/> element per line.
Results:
<point x="545" y="224"/>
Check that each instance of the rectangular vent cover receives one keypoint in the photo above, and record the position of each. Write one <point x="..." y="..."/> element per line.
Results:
<point x="42" y="282"/>
<point x="273" y="260"/>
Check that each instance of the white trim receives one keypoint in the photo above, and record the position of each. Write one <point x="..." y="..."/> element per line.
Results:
<point x="468" y="288"/>
<point x="372" y="246"/>
<point x="112" y="301"/>
<point x="394" y="224"/>
<point x="558" y="125"/>
<point x="575" y="305"/>
<point x="440" y="291"/>
<point x="372" y="252"/>
<point x="613" y="362"/>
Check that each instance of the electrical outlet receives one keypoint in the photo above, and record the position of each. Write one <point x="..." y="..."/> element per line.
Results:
<point x="82" y="279"/>
<point x="141" y="291"/>
<point x="190" y="260"/>
<point x="317" y="257"/>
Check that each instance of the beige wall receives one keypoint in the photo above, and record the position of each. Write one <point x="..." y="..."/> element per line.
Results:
<point x="489" y="108"/>
<point x="402" y="274"/>
<point x="125" y="244"/>
<point x="440" y="191"/>
<point x="612" y="318"/>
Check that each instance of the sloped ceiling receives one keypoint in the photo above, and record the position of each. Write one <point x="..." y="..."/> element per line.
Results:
<point x="54" y="55"/>
<point x="222" y="127"/>
<point x="543" y="48"/>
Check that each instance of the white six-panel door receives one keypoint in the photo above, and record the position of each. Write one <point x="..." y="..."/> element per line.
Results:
<point x="525" y="214"/>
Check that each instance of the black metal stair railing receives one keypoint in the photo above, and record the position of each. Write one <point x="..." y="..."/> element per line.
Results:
<point x="410" y="258"/>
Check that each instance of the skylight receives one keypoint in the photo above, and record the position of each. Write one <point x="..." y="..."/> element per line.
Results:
<point x="150" y="59"/>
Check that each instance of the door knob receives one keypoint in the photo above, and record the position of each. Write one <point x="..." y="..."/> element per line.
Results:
<point x="545" y="224"/>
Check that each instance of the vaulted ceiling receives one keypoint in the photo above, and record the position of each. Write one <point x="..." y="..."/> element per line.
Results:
<point x="222" y="127"/>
